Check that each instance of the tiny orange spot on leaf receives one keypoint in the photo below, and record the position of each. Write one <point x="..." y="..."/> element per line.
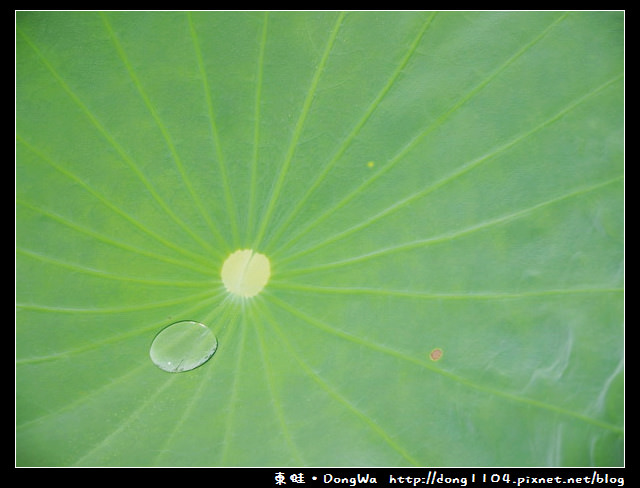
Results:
<point x="435" y="354"/>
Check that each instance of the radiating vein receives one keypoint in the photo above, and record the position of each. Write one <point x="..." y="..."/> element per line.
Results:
<point x="98" y="310"/>
<point x="111" y="206"/>
<point x="123" y="336"/>
<point x="206" y="270"/>
<point x="231" y="209"/>
<point x="407" y="148"/>
<point x="419" y="362"/>
<point x="185" y="414"/>
<point x="100" y="273"/>
<point x="275" y="401"/>
<point x="373" y="425"/>
<point x="206" y="380"/>
<point x="170" y="145"/>
<point x="125" y="423"/>
<point x="449" y="236"/>
<point x="85" y="398"/>
<point x="123" y="154"/>
<point x="275" y="194"/>
<point x="463" y="169"/>
<point x="233" y="394"/>
<point x="256" y="128"/>
<point x="355" y="131"/>
<point x="357" y="290"/>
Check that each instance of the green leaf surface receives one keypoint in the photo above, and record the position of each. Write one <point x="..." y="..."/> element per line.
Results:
<point x="418" y="181"/>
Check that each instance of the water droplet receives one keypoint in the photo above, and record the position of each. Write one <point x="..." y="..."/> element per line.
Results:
<point x="183" y="346"/>
<point x="246" y="272"/>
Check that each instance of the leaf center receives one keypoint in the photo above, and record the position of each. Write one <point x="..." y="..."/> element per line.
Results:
<point x="246" y="272"/>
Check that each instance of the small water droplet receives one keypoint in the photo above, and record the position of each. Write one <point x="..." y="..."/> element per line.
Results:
<point x="183" y="346"/>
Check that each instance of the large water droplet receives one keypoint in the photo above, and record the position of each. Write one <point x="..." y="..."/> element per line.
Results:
<point x="183" y="346"/>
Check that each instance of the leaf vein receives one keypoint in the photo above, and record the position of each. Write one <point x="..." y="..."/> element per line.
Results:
<point x="458" y="379"/>
<point x="275" y="194"/>
<point x="167" y="137"/>
<point x="340" y="398"/>
<point x="454" y="234"/>
<point x="108" y="204"/>
<point x="416" y="139"/>
<point x="357" y="128"/>
<point x="214" y="133"/>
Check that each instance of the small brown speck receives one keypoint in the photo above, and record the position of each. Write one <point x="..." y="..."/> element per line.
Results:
<point x="435" y="354"/>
